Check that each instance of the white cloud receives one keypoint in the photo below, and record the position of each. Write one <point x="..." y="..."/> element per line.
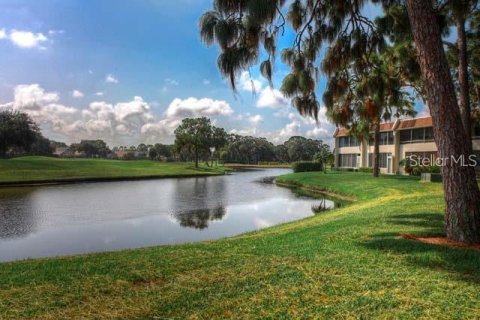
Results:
<point x="27" y="39"/>
<point x="247" y="83"/>
<point x="256" y="119"/>
<point x="111" y="79"/>
<point x="271" y="98"/>
<point x="3" y="34"/>
<point x="198" y="107"/>
<point x="90" y="71"/>
<point x="32" y="97"/>
<point x="100" y="93"/>
<point x="206" y="82"/>
<point x="77" y="94"/>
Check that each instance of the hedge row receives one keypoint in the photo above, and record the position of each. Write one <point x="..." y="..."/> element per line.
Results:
<point x="307" y="166"/>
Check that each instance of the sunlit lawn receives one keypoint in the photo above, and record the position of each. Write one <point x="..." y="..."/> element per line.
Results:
<point x="346" y="263"/>
<point x="40" y="169"/>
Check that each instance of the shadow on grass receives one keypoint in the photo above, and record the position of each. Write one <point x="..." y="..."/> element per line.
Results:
<point x="461" y="263"/>
<point x="431" y="223"/>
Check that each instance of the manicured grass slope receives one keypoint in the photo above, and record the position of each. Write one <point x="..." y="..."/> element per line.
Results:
<point x="40" y="169"/>
<point x="347" y="263"/>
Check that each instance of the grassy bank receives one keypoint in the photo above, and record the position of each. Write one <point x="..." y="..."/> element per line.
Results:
<point x="45" y="169"/>
<point x="264" y="166"/>
<point x="346" y="263"/>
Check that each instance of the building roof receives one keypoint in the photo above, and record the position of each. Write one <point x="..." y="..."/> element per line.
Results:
<point x="394" y="126"/>
<point x="415" y="123"/>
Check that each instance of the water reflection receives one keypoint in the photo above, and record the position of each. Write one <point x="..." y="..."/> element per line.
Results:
<point x="80" y="218"/>
<point x="199" y="219"/>
<point x="17" y="216"/>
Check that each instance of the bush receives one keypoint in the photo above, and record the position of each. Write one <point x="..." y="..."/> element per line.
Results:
<point x="307" y="166"/>
<point x="366" y="170"/>
<point x="344" y="169"/>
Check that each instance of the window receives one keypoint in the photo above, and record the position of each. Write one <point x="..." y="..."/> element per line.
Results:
<point x="386" y="138"/>
<point x="347" y="160"/>
<point x="429" y="134"/>
<point x="382" y="160"/>
<point x="405" y="136"/>
<point x="416" y="135"/>
<point x="476" y="131"/>
<point x="348" y="142"/>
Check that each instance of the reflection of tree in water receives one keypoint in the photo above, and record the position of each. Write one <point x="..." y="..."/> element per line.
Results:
<point x="199" y="218"/>
<point x="17" y="217"/>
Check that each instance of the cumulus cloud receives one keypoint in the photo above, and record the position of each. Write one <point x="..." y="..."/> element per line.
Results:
<point x="77" y="94"/>
<point x="271" y="98"/>
<point x="26" y="39"/>
<point x="198" y="107"/>
<point x="99" y="93"/>
<point x="247" y="83"/>
<point x="122" y="122"/>
<point x="110" y="78"/>
<point x="3" y="34"/>
<point x="255" y="120"/>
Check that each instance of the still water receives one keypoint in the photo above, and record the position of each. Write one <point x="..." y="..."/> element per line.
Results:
<point x="92" y="217"/>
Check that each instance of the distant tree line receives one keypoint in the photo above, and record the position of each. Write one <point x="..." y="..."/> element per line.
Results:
<point x="196" y="139"/>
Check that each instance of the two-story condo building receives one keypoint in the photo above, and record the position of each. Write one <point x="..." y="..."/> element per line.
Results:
<point x="398" y="140"/>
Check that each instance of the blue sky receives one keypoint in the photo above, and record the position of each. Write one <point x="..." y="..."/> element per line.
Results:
<point x="129" y="71"/>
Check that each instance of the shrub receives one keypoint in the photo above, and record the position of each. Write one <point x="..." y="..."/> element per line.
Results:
<point x="366" y="170"/>
<point x="343" y="169"/>
<point x="307" y="166"/>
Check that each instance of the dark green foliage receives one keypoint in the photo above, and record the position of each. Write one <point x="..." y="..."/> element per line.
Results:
<point x="365" y="170"/>
<point x="92" y="148"/>
<point x="307" y="166"/>
<point x="194" y="137"/>
<point x="17" y="132"/>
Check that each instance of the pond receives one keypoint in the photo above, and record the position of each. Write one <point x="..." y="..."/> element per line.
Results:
<point x="92" y="217"/>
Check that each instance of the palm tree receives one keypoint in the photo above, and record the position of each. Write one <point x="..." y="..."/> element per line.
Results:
<point x="459" y="11"/>
<point x="242" y="27"/>
<point x="362" y="100"/>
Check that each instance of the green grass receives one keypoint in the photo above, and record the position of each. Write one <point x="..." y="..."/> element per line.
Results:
<point x="44" y="169"/>
<point x="346" y="263"/>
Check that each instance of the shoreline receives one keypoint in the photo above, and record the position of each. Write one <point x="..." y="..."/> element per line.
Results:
<point x="54" y="182"/>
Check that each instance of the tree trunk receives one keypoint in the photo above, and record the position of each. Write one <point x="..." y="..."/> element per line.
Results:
<point x="462" y="211"/>
<point x="463" y="80"/>
<point x="376" y="149"/>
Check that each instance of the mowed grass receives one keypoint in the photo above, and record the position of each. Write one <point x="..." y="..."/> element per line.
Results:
<point x="45" y="169"/>
<point x="347" y="263"/>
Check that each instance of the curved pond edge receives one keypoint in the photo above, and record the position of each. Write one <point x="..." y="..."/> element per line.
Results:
<point x="316" y="190"/>
<point x="54" y="182"/>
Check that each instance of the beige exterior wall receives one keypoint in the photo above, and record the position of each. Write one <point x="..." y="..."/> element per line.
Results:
<point x="414" y="147"/>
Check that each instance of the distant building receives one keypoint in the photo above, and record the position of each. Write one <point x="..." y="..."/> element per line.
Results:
<point x="398" y="140"/>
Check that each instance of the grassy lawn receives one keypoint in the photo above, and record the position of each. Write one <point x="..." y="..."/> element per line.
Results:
<point x="44" y="169"/>
<point x="346" y="263"/>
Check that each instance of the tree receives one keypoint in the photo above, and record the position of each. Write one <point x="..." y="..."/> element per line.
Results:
<point x="324" y="156"/>
<point x="93" y="148"/>
<point x="360" y="95"/>
<point x="152" y="154"/>
<point x="462" y="214"/>
<point x="302" y="149"/>
<point x="242" y="27"/>
<point x="459" y="11"/>
<point x="17" y="130"/>
<point x="196" y="135"/>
